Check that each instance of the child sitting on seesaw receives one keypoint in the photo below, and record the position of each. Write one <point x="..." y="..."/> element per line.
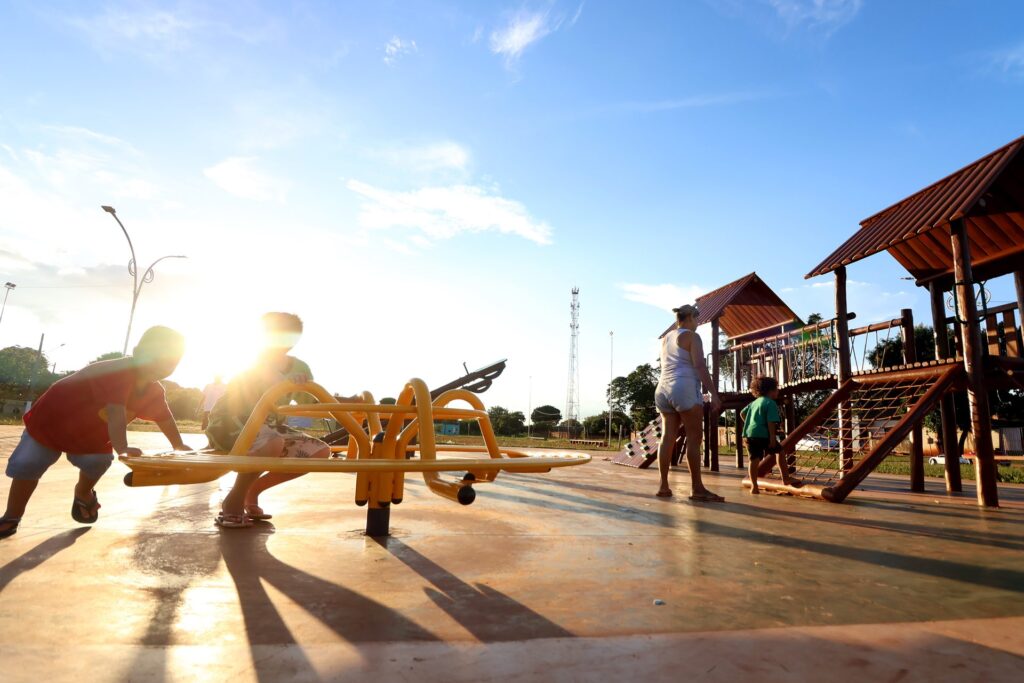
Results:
<point x="761" y="421"/>
<point x="85" y="415"/>
<point x="241" y="506"/>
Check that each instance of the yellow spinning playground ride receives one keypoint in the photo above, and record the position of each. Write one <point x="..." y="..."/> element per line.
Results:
<point x="378" y="454"/>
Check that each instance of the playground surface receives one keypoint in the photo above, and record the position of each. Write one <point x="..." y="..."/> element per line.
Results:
<point x="545" y="577"/>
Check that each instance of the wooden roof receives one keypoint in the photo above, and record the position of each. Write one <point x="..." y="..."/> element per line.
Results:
<point x="744" y="307"/>
<point x="988" y="194"/>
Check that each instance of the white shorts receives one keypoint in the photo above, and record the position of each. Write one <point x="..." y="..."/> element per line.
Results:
<point x="681" y="395"/>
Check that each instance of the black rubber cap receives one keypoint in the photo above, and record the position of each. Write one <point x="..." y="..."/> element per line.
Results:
<point x="467" y="495"/>
<point x="469" y="477"/>
<point x="128" y="479"/>
<point x="361" y="503"/>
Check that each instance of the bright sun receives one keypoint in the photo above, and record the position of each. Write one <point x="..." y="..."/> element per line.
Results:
<point x="217" y="345"/>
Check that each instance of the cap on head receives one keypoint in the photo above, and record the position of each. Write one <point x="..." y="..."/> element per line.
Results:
<point x="685" y="311"/>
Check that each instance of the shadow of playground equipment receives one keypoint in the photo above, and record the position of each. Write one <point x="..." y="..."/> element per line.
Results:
<point x="31" y="559"/>
<point x="490" y="615"/>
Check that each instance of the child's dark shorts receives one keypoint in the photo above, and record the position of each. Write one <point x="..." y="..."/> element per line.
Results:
<point x="758" y="447"/>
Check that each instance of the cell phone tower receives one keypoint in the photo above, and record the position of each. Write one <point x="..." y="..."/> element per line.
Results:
<point x="572" y="394"/>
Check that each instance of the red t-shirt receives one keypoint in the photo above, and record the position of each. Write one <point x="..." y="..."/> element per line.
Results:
<point x="71" y="416"/>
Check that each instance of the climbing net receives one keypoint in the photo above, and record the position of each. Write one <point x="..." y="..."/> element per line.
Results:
<point x="873" y="408"/>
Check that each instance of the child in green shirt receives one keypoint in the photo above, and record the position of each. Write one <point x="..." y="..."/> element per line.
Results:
<point x="760" y="428"/>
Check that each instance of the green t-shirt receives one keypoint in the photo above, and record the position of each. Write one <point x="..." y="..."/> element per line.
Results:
<point x="757" y="415"/>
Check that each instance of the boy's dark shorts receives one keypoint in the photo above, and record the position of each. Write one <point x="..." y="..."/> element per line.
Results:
<point x="758" y="447"/>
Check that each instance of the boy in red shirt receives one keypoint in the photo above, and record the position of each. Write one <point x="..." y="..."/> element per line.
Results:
<point x="85" y="415"/>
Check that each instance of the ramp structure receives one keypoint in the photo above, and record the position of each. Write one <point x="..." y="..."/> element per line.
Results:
<point x="852" y="432"/>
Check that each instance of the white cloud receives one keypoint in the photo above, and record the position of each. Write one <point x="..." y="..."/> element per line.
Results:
<point x="396" y="48"/>
<point x="579" y="13"/>
<point x="1009" y="62"/>
<point x="444" y="212"/>
<point x="437" y="156"/>
<point x="663" y="296"/>
<point x="695" y="101"/>
<point x="242" y="177"/>
<point x="828" y="15"/>
<point x="524" y="29"/>
<point x="149" y="32"/>
<point x="823" y="17"/>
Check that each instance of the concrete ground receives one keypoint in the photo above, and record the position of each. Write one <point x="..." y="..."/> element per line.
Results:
<point x="546" y="577"/>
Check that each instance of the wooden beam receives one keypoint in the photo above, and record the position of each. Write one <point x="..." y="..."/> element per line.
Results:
<point x="843" y="374"/>
<point x="948" y="419"/>
<point x="917" y="434"/>
<point x="715" y="377"/>
<point x="977" y="391"/>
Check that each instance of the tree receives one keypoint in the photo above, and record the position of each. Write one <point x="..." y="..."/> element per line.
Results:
<point x="19" y="364"/>
<point x="545" y="418"/>
<point x="184" y="402"/>
<point x="889" y="352"/>
<point x="634" y="394"/>
<point x="505" y="422"/>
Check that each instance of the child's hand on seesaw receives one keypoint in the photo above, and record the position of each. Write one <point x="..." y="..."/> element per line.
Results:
<point x="132" y="451"/>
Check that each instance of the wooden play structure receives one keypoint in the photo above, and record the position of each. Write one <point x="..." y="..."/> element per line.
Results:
<point x="378" y="455"/>
<point x="951" y="237"/>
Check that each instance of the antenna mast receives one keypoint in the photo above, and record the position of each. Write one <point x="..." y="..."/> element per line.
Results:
<point x="572" y="394"/>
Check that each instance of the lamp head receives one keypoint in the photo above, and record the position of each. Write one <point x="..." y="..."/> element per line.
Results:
<point x="108" y="209"/>
<point x="10" y="285"/>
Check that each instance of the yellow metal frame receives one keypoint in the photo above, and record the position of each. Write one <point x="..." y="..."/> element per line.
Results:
<point x="379" y="456"/>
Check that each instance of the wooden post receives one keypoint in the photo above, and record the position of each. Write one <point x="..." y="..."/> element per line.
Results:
<point x="737" y="357"/>
<point x="917" y="433"/>
<point x="1018" y="280"/>
<point x="739" y="440"/>
<point x="715" y="374"/>
<point x="843" y="370"/>
<point x="977" y="391"/>
<point x="948" y="417"/>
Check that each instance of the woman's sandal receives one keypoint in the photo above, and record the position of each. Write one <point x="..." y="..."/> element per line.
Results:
<point x="667" y="493"/>
<point x="707" y="497"/>
<point x="226" y="521"/>
<point x="80" y="509"/>
<point x="256" y="513"/>
<point x="13" y="529"/>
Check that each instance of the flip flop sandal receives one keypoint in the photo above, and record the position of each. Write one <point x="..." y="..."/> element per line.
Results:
<point x="664" y="494"/>
<point x="250" y="512"/>
<point x="232" y="521"/>
<point x="14" y="526"/>
<point x="707" y="498"/>
<point x="80" y="510"/>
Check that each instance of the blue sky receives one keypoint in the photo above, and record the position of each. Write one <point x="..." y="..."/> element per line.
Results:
<point x="423" y="182"/>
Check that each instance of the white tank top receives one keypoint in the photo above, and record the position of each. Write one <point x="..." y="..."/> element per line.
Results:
<point x="675" y="361"/>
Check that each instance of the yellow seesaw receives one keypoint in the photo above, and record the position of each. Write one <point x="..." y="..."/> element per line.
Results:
<point x="379" y="456"/>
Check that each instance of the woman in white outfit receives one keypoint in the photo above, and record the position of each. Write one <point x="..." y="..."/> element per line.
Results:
<point x="680" y="401"/>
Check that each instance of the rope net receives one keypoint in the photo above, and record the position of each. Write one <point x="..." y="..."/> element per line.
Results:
<point x="873" y="408"/>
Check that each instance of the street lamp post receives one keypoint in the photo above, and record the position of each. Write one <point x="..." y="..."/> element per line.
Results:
<point x="611" y="378"/>
<point x="9" y="286"/>
<point x="137" y="282"/>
